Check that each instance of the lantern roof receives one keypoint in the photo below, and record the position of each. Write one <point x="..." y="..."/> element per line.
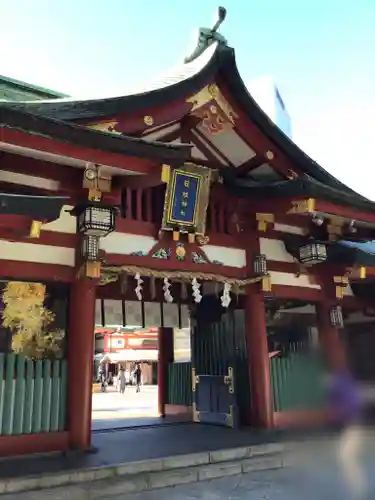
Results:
<point x="43" y="208"/>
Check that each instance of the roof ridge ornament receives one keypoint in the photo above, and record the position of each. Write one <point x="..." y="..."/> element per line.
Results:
<point x="208" y="36"/>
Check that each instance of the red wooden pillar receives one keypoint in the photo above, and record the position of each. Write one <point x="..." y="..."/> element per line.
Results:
<point x="165" y="356"/>
<point x="80" y="362"/>
<point x="329" y="336"/>
<point x="258" y="359"/>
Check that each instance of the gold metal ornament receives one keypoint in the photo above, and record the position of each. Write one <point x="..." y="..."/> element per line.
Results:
<point x="148" y="120"/>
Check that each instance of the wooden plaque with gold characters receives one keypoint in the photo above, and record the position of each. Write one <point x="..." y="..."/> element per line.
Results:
<point x="186" y="199"/>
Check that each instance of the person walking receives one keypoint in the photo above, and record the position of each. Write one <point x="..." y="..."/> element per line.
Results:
<point x="138" y="377"/>
<point x="121" y="381"/>
<point x="346" y="411"/>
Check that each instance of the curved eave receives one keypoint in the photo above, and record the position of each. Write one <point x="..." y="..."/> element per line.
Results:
<point x="42" y="208"/>
<point x="180" y="82"/>
<point x="82" y="136"/>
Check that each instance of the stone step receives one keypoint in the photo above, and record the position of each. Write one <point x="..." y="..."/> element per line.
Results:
<point x="103" y="482"/>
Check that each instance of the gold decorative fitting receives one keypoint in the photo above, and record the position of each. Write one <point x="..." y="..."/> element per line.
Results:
<point x="35" y="229"/>
<point x="266" y="284"/>
<point x="229" y="417"/>
<point x="194" y="379"/>
<point x="191" y="237"/>
<point x="263" y="221"/>
<point x="106" y="126"/>
<point x="228" y="380"/>
<point x="180" y="252"/>
<point x="213" y="89"/>
<point x="176" y="235"/>
<point x="148" y="120"/>
<point x="341" y="283"/>
<point x="292" y="175"/>
<point x="302" y="206"/>
<point x="362" y="272"/>
<point x="202" y="239"/>
<point x="165" y="173"/>
<point x="213" y="109"/>
<point x="93" y="270"/>
<point x="196" y="414"/>
<point x="270" y="155"/>
<point x="94" y="195"/>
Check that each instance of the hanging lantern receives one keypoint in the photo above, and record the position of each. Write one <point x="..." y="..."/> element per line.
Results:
<point x="95" y="219"/>
<point x="336" y="317"/>
<point x="90" y="248"/>
<point x="260" y="265"/>
<point x="313" y="253"/>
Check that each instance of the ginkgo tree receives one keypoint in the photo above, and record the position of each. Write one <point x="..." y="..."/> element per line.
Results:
<point x="30" y="322"/>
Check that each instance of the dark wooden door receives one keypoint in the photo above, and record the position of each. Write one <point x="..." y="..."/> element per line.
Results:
<point x="218" y="352"/>
<point x="214" y="400"/>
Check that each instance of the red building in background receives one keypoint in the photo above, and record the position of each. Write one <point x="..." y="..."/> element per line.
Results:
<point x="123" y="347"/>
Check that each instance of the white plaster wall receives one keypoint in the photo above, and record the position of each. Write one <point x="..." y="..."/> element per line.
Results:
<point x="32" y="252"/>
<point x="28" y="180"/>
<point x="64" y="224"/>
<point x="285" y="228"/>
<point x="233" y="257"/>
<point x="126" y="244"/>
<point x="279" y="278"/>
<point x="274" y="250"/>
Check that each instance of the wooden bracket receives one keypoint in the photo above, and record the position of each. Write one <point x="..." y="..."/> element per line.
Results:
<point x="263" y="220"/>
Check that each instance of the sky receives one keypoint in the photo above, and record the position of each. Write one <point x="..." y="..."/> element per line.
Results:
<point x="320" y="53"/>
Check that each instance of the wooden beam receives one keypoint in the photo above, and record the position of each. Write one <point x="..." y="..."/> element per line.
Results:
<point x="52" y="146"/>
<point x="347" y="212"/>
<point x="135" y="123"/>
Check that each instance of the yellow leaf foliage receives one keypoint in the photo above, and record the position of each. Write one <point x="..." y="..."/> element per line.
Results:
<point x="29" y="321"/>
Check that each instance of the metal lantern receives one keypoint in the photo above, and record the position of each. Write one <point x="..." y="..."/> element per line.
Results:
<point x="90" y="248"/>
<point x="313" y="253"/>
<point x="95" y="219"/>
<point x="260" y="265"/>
<point x="336" y="317"/>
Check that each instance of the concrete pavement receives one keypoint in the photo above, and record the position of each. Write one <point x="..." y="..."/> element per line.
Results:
<point x="304" y="471"/>
<point x="321" y="482"/>
<point x="112" y="410"/>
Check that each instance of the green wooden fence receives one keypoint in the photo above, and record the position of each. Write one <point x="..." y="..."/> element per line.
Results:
<point x="179" y="384"/>
<point x="297" y="382"/>
<point x="32" y="395"/>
